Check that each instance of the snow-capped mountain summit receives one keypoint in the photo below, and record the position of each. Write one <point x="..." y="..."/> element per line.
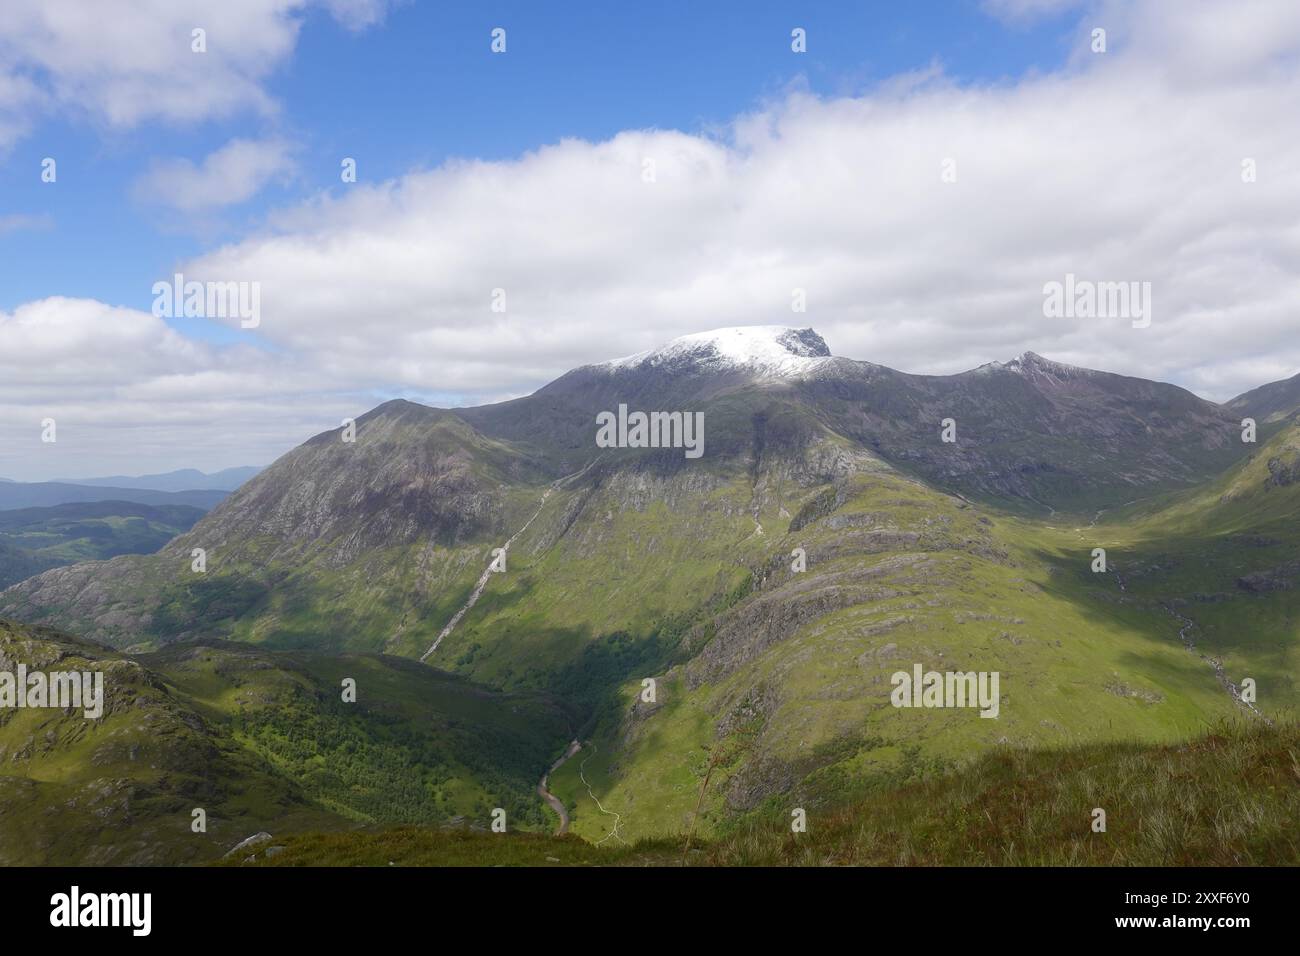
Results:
<point x="1033" y="366"/>
<point x="769" y="350"/>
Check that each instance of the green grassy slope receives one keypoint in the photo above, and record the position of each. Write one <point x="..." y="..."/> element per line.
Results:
<point x="790" y="687"/>
<point x="122" y="789"/>
<point x="311" y="552"/>
<point x="792" y="690"/>
<point x="1222" y="561"/>
<point x="647" y="567"/>
<point x="261" y="741"/>
<point x="1230" y="797"/>
<point x="779" y="681"/>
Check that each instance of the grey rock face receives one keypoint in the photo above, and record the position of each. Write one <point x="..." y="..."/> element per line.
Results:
<point x="249" y="843"/>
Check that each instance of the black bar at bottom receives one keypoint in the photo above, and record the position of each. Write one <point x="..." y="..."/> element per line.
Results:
<point x="335" y="905"/>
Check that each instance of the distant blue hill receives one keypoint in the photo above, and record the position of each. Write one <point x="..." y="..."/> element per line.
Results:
<point x="33" y="540"/>
<point x="45" y="494"/>
<point x="186" y="479"/>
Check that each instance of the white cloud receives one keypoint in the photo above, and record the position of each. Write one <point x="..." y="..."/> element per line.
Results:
<point x="1019" y="11"/>
<point x="1116" y="171"/>
<point x="21" y="222"/>
<point x="358" y="14"/>
<point x="230" y="175"/>
<point x="1123" y="166"/>
<point x="121" y="62"/>
<point x="128" y="391"/>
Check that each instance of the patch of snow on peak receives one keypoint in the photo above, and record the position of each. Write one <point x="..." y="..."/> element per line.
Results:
<point x="774" y="350"/>
<point x="1031" y="362"/>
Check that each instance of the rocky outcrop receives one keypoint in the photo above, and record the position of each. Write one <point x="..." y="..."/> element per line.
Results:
<point x="1281" y="578"/>
<point x="1283" y="471"/>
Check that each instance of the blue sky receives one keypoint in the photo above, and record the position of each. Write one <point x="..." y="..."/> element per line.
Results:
<point x="627" y="174"/>
<point x="423" y="86"/>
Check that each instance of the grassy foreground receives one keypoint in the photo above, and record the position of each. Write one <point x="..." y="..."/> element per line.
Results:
<point x="1228" y="798"/>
